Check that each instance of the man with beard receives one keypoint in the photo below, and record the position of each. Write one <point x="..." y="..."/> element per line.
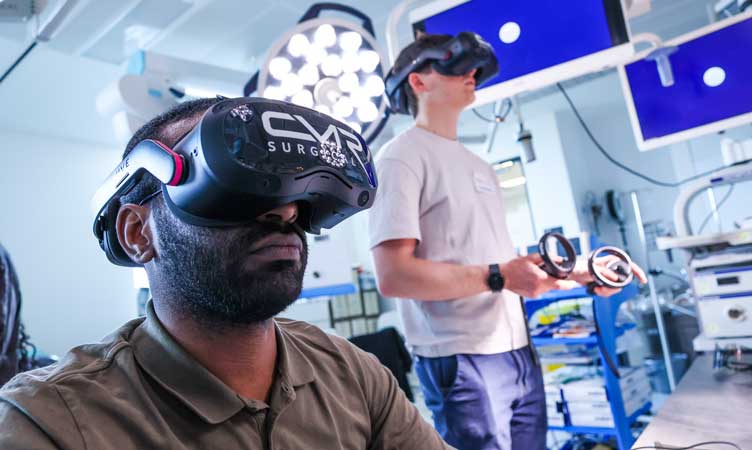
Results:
<point x="209" y="367"/>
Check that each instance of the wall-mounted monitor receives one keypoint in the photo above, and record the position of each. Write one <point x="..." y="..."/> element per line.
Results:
<point x="538" y="43"/>
<point x="712" y="88"/>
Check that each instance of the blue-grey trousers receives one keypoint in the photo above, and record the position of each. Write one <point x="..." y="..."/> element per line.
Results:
<point x="486" y="402"/>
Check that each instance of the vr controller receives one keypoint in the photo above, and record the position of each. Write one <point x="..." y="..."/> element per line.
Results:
<point x="458" y="56"/>
<point x="245" y="157"/>
<point x="562" y="266"/>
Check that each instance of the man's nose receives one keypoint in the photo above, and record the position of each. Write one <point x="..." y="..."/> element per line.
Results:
<point x="282" y="214"/>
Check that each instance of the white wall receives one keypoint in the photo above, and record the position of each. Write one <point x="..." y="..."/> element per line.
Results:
<point x="71" y="293"/>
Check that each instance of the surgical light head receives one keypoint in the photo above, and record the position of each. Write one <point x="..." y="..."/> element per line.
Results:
<point x="455" y="57"/>
<point x="245" y="157"/>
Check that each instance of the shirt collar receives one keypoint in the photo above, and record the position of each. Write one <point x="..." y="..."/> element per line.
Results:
<point x="206" y="395"/>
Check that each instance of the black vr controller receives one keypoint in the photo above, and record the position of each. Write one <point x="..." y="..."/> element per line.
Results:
<point x="245" y="157"/>
<point x="457" y="56"/>
<point x="561" y="266"/>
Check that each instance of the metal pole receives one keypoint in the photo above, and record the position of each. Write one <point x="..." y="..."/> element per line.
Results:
<point x="493" y="126"/>
<point x="653" y="296"/>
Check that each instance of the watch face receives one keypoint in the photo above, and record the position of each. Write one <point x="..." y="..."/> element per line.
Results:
<point x="495" y="280"/>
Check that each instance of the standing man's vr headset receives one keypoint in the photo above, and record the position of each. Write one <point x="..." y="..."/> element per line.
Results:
<point x="245" y="157"/>
<point x="458" y="56"/>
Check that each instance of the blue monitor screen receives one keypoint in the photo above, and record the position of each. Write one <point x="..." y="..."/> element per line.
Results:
<point x="529" y="36"/>
<point x="712" y="82"/>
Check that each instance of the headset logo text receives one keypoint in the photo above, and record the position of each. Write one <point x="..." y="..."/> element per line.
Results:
<point x="352" y="143"/>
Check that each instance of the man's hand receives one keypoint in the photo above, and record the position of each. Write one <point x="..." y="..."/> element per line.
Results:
<point x="582" y="275"/>
<point x="524" y="276"/>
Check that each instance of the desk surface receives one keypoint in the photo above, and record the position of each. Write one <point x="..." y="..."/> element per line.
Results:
<point x="704" y="408"/>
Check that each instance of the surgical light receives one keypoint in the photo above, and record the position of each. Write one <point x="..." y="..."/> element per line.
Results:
<point x="332" y="65"/>
<point x="325" y="36"/>
<point x="335" y="67"/>
<point x="315" y="54"/>
<point x="369" y="60"/>
<point x="343" y="107"/>
<point x="367" y="112"/>
<point x="279" y="67"/>
<point x="309" y="74"/>
<point x="350" y="62"/>
<point x="298" y="45"/>
<point x="291" y="84"/>
<point x="355" y="126"/>
<point x="323" y="109"/>
<point x="348" y="82"/>
<point x="303" y="98"/>
<point x="374" y="86"/>
<point x="350" y="41"/>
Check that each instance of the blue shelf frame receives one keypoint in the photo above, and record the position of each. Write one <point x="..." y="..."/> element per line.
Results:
<point x="605" y="311"/>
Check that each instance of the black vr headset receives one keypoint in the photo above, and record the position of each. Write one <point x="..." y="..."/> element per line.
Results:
<point x="458" y="56"/>
<point x="245" y="157"/>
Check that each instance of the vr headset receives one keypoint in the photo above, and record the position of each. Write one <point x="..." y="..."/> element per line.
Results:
<point x="245" y="157"/>
<point x="458" y="56"/>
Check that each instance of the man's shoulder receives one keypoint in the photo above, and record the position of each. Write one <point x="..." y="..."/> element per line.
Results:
<point x="320" y="346"/>
<point x="405" y="146"/>
<point x="77" y="366"/>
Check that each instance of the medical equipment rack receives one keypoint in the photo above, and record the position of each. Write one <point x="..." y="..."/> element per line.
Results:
<point x="604" y="311"/>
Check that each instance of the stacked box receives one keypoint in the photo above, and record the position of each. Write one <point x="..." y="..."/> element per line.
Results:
<point x="588" y="403"/>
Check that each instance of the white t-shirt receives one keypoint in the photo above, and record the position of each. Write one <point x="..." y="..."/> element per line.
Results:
<point x="437" y="191"/>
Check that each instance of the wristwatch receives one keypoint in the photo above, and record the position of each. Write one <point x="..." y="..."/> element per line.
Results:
<point x="495" y="278"/>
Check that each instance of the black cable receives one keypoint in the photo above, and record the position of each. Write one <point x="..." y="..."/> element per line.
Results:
<point x="621" y="165"/>
<point x="717" y="207"/>
<point x="602" y="345"/>
<point x="659" y="447"/>
<point x="18" y="61"/>
<point x="498" y="119"/>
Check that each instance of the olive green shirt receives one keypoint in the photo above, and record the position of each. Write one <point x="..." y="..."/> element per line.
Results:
<point x="139" y="389"/>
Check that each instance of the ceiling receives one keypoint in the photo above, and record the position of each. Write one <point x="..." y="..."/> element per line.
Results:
<point x="53" y="90"/>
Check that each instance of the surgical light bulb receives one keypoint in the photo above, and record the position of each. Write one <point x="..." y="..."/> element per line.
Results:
<point x="368" y="112"/>
<point x="325" y="36"/>
<point x="303" y="98"/>
<point x="332" y="65"/>
<point x="309" y="74"/>
<point x="355" y="126"/>
<point x="348" y="82"/>
<point x="343" y="108"/>
<point x="279" y="67"/>
<point x="360" y="97"/>
<point x="323" y="109"/>
<point x="274" y="93"/>
<point x="315" y="54"/>
<point x="291" y="84"/>
<point x="350" y="41"/>
<point x="350" y="62"/>
<point x="298" y="45"/>
<point x="374" y="86"/>
<point x="369" y="60"/>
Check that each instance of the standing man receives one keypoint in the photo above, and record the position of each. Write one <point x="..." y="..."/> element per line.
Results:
<point x="440" y="243"/>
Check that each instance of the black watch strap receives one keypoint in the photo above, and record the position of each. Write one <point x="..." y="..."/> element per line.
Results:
<point x="495" y="278"/>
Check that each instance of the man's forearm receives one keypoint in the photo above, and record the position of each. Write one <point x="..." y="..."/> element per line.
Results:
<point x="422" y="279"/>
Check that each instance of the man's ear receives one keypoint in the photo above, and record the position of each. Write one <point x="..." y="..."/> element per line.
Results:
<point x="415" y="79"/>
<point x="134" y="232"/>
